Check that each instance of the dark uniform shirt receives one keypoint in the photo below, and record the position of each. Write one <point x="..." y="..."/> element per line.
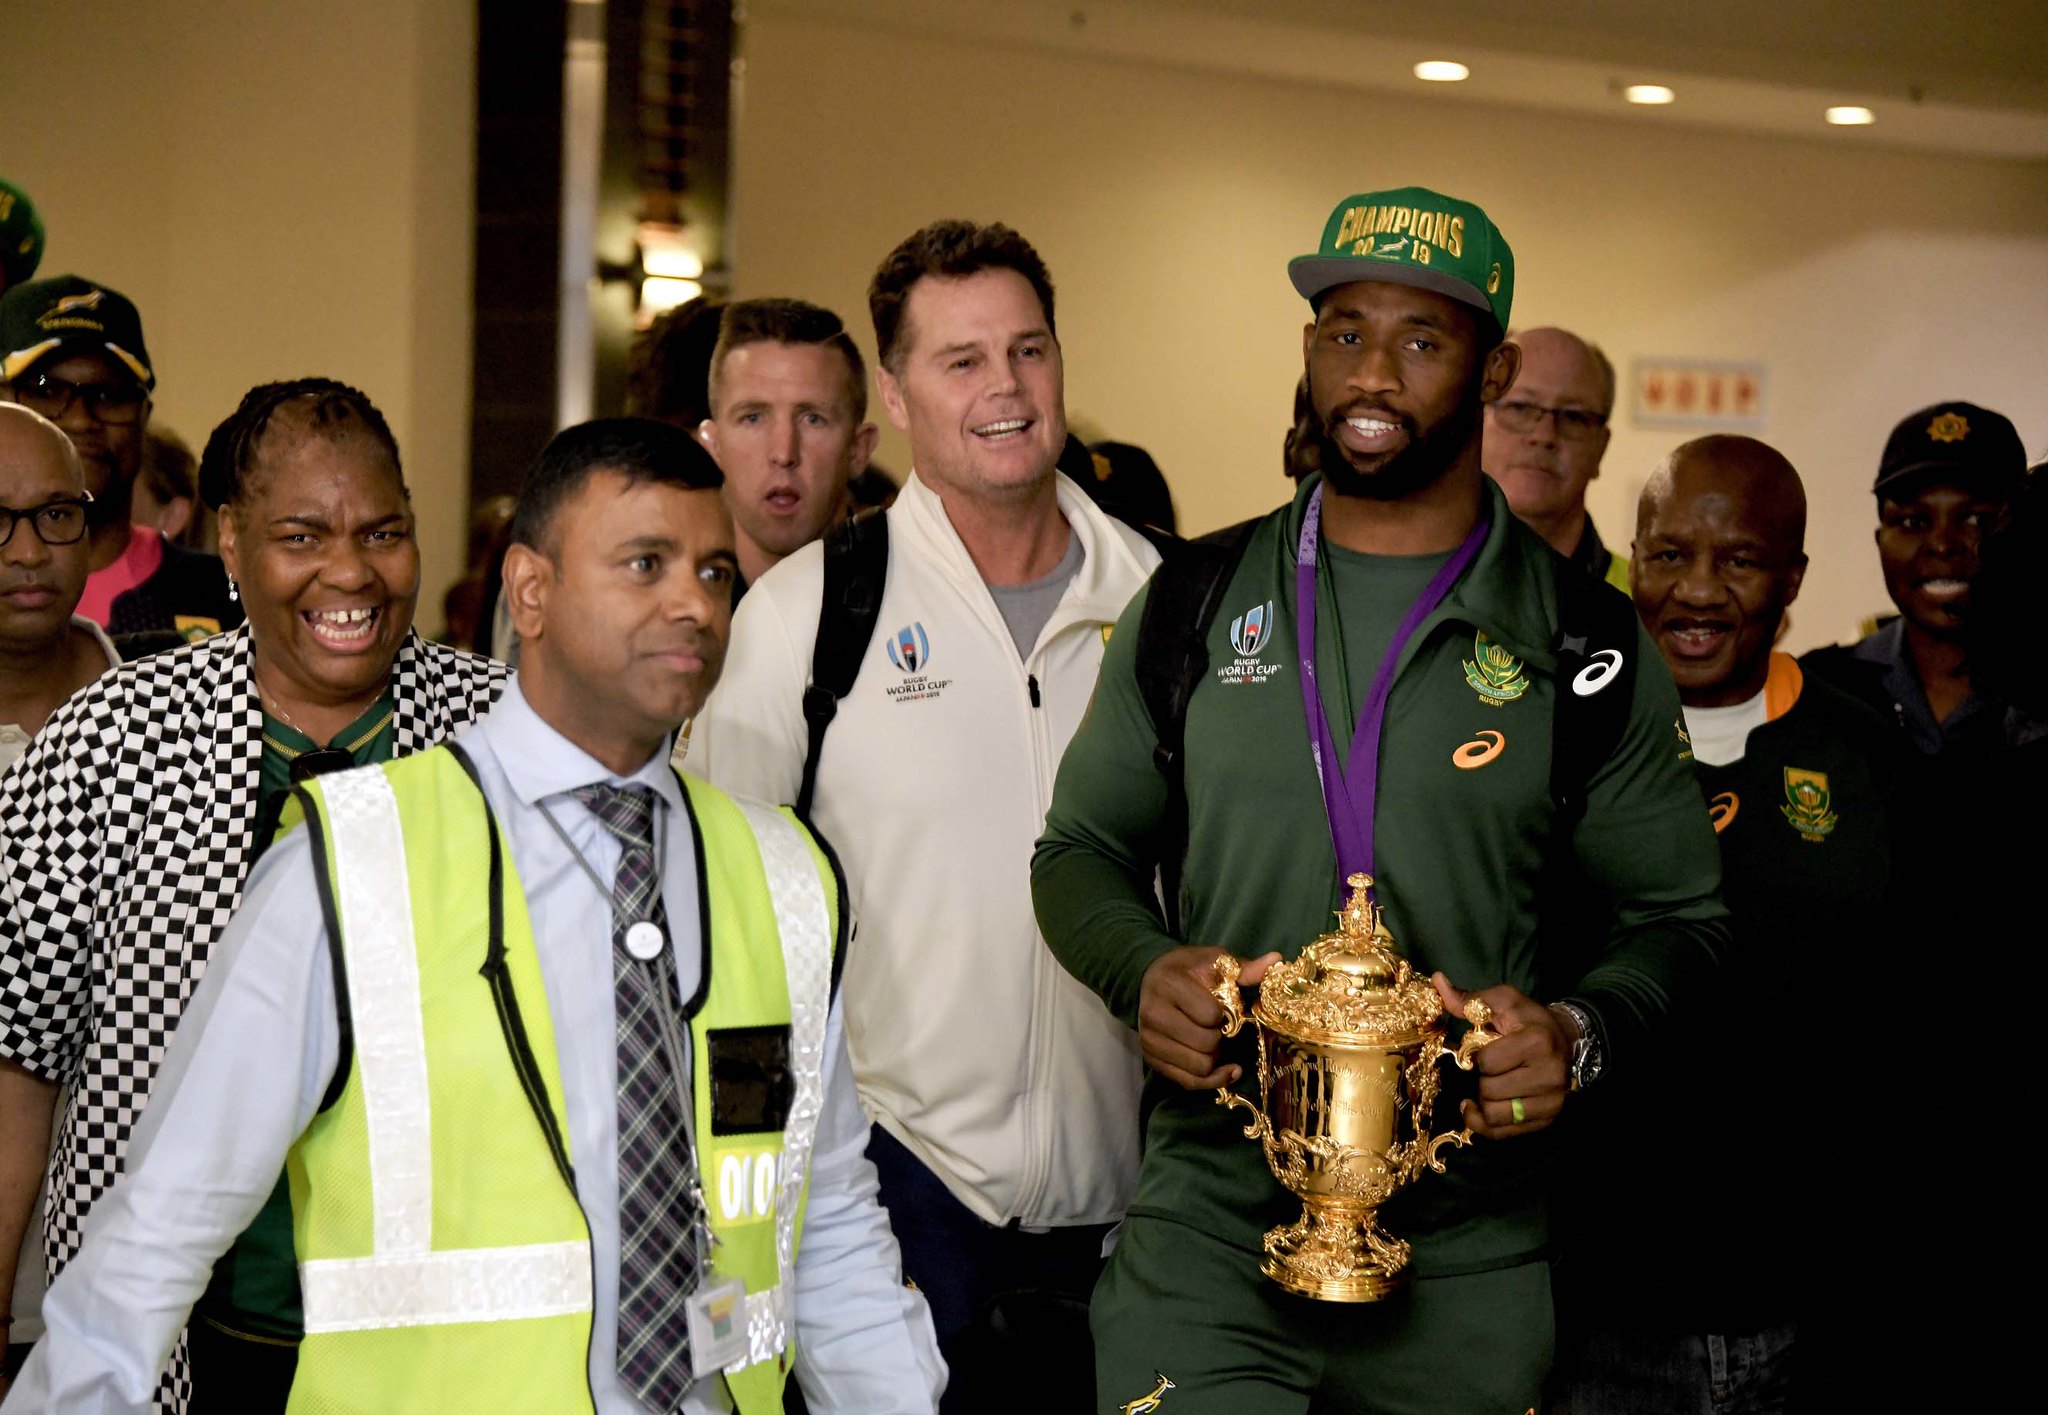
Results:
<point x="1461" y="850"/>
<point x="1879" y="671"/>
<point x="1694" y="1200"/>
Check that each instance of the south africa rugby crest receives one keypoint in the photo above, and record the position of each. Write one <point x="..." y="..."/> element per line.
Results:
<point x="1494" y="673"/>
<point x="1808" y="806"/>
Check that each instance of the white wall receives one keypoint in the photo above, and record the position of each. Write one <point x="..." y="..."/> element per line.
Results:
<point x="1167" y="203"/>
<point x="283" y="190"/>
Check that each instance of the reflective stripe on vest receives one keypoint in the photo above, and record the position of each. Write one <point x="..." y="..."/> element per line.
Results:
<point x="403" y="1282"/>
<point x="405" y="844"/>
<point x="802" y="919"/>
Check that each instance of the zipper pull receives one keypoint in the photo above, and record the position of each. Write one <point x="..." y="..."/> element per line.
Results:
<point x="1031" y="681"/>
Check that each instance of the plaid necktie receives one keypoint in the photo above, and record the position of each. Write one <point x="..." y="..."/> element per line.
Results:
<point x="657" y="1209"/>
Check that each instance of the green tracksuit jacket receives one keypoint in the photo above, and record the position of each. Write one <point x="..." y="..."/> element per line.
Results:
<point x="1460" y="848"/>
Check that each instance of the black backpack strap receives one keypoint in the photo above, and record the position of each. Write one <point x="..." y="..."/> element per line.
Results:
<point x="856" y="572"/>
<point x="1596" y="653"/>
<point x="1173" y="653"/>
<point x="1596" y="677"/>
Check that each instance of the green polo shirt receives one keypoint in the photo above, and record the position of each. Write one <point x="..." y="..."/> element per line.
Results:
<point x="1461" y="847"/>
<point x="254" y="1292"/>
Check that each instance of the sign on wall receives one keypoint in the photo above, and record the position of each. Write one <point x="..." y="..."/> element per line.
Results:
<point x="1698" y="393"/>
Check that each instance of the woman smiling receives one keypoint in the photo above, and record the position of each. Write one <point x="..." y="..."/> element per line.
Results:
<point x="128" y="830"/>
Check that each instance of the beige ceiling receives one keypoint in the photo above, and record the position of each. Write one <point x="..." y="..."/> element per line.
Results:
<point x="1978" y="53"/>
<point x="1968" y="76"/>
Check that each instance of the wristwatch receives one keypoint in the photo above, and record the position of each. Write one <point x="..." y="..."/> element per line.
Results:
<point x="1588" y="1055"/>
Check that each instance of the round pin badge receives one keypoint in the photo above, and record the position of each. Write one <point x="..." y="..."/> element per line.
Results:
<point x="644" y="941"/>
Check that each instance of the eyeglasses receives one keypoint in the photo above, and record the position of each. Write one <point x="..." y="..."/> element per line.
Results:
<point x="1573" y="424"/>
<point x="54" y="522"/>
<point x="115" y="404"/>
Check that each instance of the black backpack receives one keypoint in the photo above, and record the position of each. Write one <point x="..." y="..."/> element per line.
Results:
<point x="1173" y="656"/>
<point x="856" y="573"/>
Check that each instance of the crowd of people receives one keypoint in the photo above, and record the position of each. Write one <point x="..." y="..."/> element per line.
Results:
<point x="769" y="958"/>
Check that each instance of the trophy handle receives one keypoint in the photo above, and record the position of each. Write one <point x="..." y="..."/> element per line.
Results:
<point x="1226" y="992"/>
<point x="1481" y="1033"/>
<point x="1258" y="1127"/>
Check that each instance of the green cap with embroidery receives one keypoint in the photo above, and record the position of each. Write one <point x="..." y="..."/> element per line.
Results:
<point x="1413" y="236"/>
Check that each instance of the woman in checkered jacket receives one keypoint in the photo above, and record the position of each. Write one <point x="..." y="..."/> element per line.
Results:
<point x="129" y="827"/>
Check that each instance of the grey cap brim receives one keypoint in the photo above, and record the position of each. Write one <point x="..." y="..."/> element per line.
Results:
<point x="1313" y="274"/>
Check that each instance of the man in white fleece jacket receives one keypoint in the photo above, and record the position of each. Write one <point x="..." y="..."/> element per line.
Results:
<point x="1005" y="1095"/>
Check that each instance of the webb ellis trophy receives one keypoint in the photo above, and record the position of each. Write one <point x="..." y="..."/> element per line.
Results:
<point x="1349" y="1041"/>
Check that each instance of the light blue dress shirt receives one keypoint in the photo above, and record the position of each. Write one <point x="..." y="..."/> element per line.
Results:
<point x="256" y="1049"/>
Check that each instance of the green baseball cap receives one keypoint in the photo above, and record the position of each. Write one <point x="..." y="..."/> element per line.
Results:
<point x="21" y="235"/>
<point x="47" y="319"/>
<point x="1413" y="236"/>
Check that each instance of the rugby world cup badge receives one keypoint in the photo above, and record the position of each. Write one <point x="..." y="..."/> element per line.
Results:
<point x="910" y="650"/>
<point x="1250" y="633"/>
<point x="1249" y="630"/>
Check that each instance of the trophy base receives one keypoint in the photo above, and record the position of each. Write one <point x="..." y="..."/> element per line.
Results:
<point x="1336" y="1253"/>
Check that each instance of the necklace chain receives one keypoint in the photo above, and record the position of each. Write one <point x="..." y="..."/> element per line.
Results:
<point x="272" y="703"/>
<point x="270" y="699"/>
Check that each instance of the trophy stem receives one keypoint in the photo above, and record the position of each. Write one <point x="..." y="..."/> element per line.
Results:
<point x="1336" y="1252"/>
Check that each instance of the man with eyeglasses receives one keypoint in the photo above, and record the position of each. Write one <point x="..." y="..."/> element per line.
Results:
<point x="1544" y="440"/>
<point x="72" y="351"/>
<point x="47" y="653"/>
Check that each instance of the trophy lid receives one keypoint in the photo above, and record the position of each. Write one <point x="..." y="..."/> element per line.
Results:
<point x="1350" y="985"/>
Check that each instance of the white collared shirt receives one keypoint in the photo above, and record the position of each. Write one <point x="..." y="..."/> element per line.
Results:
<point x="251" y="1062"/>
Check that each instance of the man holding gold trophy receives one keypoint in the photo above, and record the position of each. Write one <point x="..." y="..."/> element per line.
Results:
<point x="1514" y="781"/>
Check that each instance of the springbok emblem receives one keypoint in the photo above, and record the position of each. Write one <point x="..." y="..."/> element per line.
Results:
<point x="1150" y="1400"/>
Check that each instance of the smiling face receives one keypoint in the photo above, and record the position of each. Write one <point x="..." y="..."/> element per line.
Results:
<point x="978" y="385"/>
<point x="1718" y="560"/>
<point x="1927" y="542"/>
<point x="787" y="437"/>
<point x="39" y="583"/>
<point x="1397" y="376"/>
<point x="320" y="539"/>
<point x="623" y="616"/>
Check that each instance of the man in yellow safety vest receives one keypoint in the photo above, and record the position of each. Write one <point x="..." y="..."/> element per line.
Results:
<point x="544" y="1035"/>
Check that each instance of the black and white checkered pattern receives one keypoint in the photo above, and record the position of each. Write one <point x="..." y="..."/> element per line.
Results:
<point x="125" y="839"/>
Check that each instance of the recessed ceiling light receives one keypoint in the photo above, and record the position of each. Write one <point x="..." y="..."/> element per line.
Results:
<point x="1648" y="93"/>
<point x="1441" y="71"/>
<point x="1850" y="116"/>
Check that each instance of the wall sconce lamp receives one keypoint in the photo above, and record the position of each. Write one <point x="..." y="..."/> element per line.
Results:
<point x="665" y="271"/>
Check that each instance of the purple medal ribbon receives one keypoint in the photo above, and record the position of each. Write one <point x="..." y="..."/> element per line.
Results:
<point x="1351" y="790"/>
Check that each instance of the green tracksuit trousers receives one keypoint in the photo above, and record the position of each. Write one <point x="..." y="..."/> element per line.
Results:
<point x="1186" y="1322"/>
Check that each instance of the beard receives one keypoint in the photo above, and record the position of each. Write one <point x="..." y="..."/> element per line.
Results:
<point x="1428" y="454"/>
